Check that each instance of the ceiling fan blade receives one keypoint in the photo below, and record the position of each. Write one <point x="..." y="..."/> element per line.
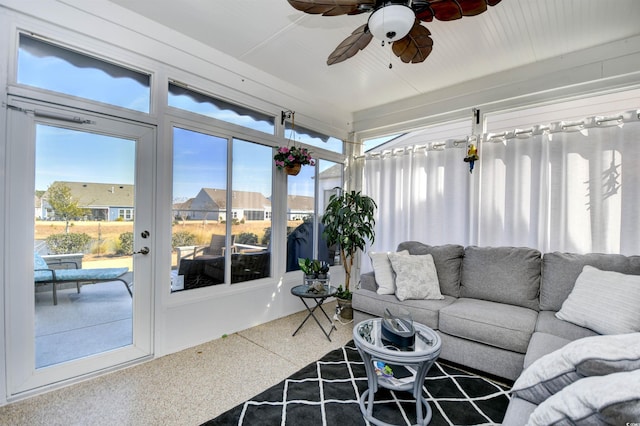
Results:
<point x="333" y="7"/>
<point x="351" y="45"/>
<point x="449" y="10"/>
<point x="415" y="46"/>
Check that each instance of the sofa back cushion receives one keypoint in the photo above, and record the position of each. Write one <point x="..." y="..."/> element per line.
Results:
<point x="560" y="272"/>
<point x="502" y="274"/>
<point x="448" y="261"/>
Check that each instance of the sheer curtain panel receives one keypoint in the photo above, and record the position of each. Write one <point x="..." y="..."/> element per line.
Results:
<point x="567" y="186"/>
<point x="422" y="194"/>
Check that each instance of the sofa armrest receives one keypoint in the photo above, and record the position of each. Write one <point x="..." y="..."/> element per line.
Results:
<point x="368" y="281"/>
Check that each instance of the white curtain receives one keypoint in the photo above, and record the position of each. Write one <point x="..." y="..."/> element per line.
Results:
<point x="422" y="195"/>
<point x="568" y="187"/>
<point x="571" y="187"/>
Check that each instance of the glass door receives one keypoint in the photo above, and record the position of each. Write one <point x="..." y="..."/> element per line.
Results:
<point x="81" y="243"/>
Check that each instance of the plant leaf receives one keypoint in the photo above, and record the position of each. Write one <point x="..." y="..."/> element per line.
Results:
<point x="357" y="41"/>
<point x="415" y="46"/>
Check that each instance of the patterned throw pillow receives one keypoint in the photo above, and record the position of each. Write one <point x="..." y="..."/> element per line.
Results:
<point x="383" y="271"/>
<point x="416" y="277"/>
<point x="604" y="301"/>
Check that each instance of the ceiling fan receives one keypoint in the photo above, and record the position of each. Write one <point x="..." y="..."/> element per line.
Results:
<point x="392" y="21"/>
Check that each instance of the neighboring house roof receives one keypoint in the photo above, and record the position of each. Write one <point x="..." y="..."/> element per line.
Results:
<point x="248" y="200"/>
<point x="334" y="171"/>
<point x="37" y="201"/>
<point x="185" y="205"/>
<point x="300" y="203"/>
<point x="92" y="195"/>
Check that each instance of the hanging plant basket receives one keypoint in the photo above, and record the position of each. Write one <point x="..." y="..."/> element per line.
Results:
<point x="292" y="159"/>
<point x="293" y="169"/>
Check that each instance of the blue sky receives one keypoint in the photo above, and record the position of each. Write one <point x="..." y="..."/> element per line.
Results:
<point x="200" y="160"/>
<point x="70" y="155"/>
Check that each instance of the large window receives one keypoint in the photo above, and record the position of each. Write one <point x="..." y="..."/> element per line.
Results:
<point x="190" y="100"/>
<point x="251" y="201"/>
<point x="199" y="209"/>
<point x="51" y="67"/>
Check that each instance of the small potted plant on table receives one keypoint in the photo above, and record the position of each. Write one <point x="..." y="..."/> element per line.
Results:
<point x="316" y="273"/>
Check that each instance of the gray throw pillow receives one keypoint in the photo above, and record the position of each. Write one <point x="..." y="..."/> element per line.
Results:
<point x="613" y="399"/>
<point x="589" y="356"/>
<point x="416" y="277"/>
<point x="383" y="271"/>
<point x="606" y="302"/>
<point x="448" y="260"/>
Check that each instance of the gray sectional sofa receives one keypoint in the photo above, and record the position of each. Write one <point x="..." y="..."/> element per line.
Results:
<point x="497" y="313"/>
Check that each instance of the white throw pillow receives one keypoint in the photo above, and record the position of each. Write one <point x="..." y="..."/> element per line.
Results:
<point x="604" y="301"/>
<point x="385" y="277"/>
<point x="416" y="277"/>
<point x="589" y="356"/>
<point x="604" y="400"/>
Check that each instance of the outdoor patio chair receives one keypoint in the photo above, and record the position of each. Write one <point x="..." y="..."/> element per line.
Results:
<point x="45" y="275"/>
<point x="215" y="248"/>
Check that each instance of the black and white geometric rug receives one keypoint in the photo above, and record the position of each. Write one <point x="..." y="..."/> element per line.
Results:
<point x="326" y="392"/>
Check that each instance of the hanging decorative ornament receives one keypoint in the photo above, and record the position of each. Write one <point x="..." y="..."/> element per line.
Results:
<point x="472" y="156"/>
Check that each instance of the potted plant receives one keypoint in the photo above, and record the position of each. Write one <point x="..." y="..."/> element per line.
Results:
<point x="292" y="159"/>
<point x="315" y="273"/>
<point x="348" y="223"/>
<point x="309" y="267"/>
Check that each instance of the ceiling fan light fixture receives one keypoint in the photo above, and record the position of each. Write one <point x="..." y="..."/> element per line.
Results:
<point x="392" y="22"/>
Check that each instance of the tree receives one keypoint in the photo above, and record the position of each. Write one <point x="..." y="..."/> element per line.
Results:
<point x="63" y="204"/>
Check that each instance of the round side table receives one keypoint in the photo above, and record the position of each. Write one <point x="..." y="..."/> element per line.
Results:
<point x="367" y="336"/>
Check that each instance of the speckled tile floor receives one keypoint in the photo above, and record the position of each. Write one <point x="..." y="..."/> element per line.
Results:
<point x="188" y="387"/>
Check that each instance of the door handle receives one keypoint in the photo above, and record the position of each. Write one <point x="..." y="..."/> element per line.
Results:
<point x="143" y="250"/>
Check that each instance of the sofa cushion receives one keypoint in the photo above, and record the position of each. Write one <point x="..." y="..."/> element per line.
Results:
<point x="383" y="271"/>
<point x="542" y="344"/>
<point x="604" y="301"/>
<point x="604" y="400"/>
<point x="548" y="323"/>
<point x="518" y="412"/>
<point x="416" y="277"/>
<point x="368" y="281"/>
<point x="502" y="274"/>
<point x="560" y="272"/>
<point x="590" y="356"/>
<point x="496" y="324"/>
<point x="448" y="260"/>
<point x="422" y="311"/>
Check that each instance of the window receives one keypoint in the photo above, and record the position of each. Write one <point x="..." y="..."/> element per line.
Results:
<point x="189" y="100"/>
<point x="125" y="214"/>
<point x="309" y="137"/>
<point x="47" y="66"/>
<point x="251" y="176"/>
<point x="199" y="233"/>
<point x="304" y="211"/>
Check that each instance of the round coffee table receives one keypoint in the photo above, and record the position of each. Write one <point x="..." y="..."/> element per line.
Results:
<point x="367" y="336"/>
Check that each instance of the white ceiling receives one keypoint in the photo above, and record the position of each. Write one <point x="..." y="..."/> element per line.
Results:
<point x="272" y="36"/>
